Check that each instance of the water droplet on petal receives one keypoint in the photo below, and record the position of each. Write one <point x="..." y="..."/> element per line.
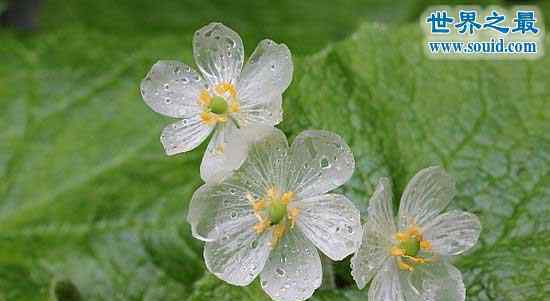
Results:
<point x="281" y="272"/>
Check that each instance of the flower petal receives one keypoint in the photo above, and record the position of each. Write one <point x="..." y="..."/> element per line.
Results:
<point x="268" y="72"/>
<point x="184" y="135"/>
<point x="428" y="193"/>
<point x="453" y="232"/>
<point x="215" y="207"/>
<point x="293" y="270"/>
<point x="377" y="235"/>
<point x="319" y="161"/>
<point x="171" y="88"/>
<point x="225" y="153"/>
<point x="267" y="150"/>
<point x="219" y="53"/>
<point x="269" y="113"/>
<point x="331" y="222"/>
<point x="386" y="284"/>
<point x="438" y="281"/>
<point x="240" y="254"/>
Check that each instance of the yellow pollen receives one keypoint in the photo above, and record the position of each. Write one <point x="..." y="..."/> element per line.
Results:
<point x="204" y="98"/>
<point x="278" y="232"/>
<point x="399" y="236"/>
<point x="211" y="118"/>
<point x="413" y="231"/>
<point x="287" y="197"/>
<point x="262" y="225"/>
<point x="409" y="243"/>
<point x="234" y="105"/>
<point x="403" y="266"/>
<point x="271" y="193"/>
<point x="293" y="215"/>
<point x="225" y="87"/>
<point x="396" y="251"/>
<point x="425" y="245"/>
<point x="258" y="205"/>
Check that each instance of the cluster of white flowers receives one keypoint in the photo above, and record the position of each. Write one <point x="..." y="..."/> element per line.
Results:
<point x="266" y="208"/>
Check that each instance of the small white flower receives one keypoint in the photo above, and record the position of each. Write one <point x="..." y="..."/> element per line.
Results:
<point x="268" y="216"/>
<point x="222" y="99"/>
<point x="407" y="256"/>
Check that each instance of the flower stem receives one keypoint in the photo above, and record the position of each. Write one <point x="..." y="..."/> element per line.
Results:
<point x="329" y="282"/>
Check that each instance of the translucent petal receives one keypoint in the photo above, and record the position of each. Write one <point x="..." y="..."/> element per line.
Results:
<point x="184" y="135"/>
<point x="427" y="194"/>
<point x="225" y="153"/>
<point x="171" y="88"/>
<point x="434" y="282"/>
<point x="219" y="53"/>
<point x="453" y="232"/>
<point x="293" y="270"/>
<point x="319" y="161"/>
<point x="331" y="222"/>
<point x="377" y="235"/>
<point x="269" y="113"/>
<point x="386" y="284"/>
<point x="240" y="254"/>
<point x="215" y="207"/>
<point x="266" y="157"/>
<point x="268" y="72"/>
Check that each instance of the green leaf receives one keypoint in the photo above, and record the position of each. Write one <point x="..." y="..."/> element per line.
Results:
<point x="305" y="26"/>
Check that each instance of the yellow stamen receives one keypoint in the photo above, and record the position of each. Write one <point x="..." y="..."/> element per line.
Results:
<point x="403" y="266"/>
<point x="406" y="250"/>
<point x="234" y="106"/>
<point x="258" y="205"/>
<point x="413" y="231"/>
<point x="400" y="236"/>
<point x="225" y="87"/>
<point x="278" y="232"/>
<point x="425" y="245"/>
<point x="293" y="215"/>
<point x="262" y="225"/>
<point x="416" y="260"/>
<point x="287" y="197"/>
<point x="396" y="251"/>
<point x="204" y="98"/>
<point x="271" y="193"/>
<point x="211" y="118"/>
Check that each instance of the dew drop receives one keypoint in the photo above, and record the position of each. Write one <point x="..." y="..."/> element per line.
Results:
<point x="254" y="244"/>
<point x="233" y="214"/>
<point x="166" y="86"/>
<point x="185" y="80"/>
<point x="167" y="100"/>
<point x="325" y="163"/>
<point x="350" y="229"/>
<point x="280" y="272"/>
<point x="273" y="67"/>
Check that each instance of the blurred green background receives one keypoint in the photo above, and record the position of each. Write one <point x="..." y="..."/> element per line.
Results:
<point x="92" y="209"/>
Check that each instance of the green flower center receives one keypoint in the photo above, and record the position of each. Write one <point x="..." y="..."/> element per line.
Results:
<point x="218" y="105"/>
<point x="410" y="246"/>
<point x="277" y="211"/>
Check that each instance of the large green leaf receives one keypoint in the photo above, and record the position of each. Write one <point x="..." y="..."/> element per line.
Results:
<point x="91" y="209"/>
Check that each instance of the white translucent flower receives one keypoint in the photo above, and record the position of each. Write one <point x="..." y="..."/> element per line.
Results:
<point x="406" y="257"/>
<point x="221" y="98"/>
<point x="267" y="217"/>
